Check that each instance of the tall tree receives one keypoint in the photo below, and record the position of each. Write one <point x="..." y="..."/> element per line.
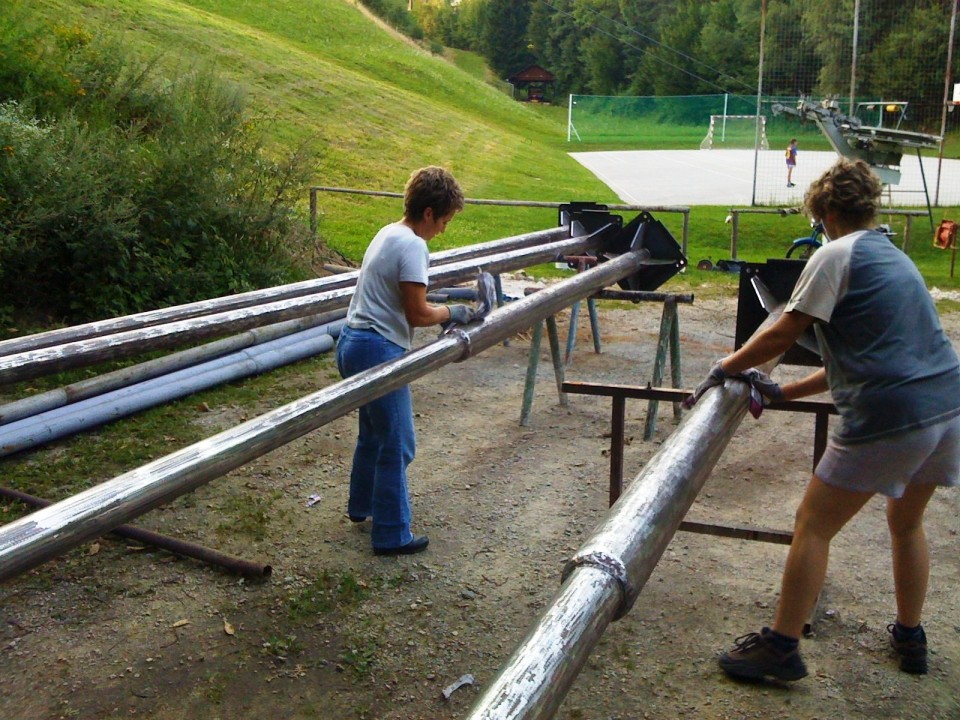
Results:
<point x="908" y="64"/>
<point x="791" y="63"/>
<point x="604" y="37"/>
<point x="671" y="64"/>
<point x="725" y="47"/>
<point x="555" y="37"/>
<point x="503" y="35"/>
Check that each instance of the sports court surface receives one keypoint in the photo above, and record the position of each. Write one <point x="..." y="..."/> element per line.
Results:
<point x="725" y="177"/>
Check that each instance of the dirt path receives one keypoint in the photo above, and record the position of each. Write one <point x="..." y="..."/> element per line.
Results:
<point x="109" y="632"/>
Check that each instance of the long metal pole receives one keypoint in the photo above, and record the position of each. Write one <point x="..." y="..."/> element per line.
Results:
<point x="602" y="581"/>
<point x="948" y="71"/>
<point x="31" y="540"/>
<point x="756" y="133"/>
<point x="247" y="568"/>
<point x="35" y="363"/>
<point x="261" y="297"/>
<point x="124" y="377"/>
<point x="853" y="58"/>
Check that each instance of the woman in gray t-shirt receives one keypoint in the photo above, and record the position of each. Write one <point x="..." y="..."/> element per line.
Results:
<point x="389" y="302"/>
<point x="895" y="379"/>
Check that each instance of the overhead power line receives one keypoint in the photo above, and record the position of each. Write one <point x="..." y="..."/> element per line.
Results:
<point x="656" y="42"/>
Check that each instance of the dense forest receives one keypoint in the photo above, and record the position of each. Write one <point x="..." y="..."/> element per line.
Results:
<point x="690" y="47"/>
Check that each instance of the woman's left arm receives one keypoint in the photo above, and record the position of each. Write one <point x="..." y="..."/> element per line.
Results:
<point x="771" y="343"/>
<point x="420" y="313"/>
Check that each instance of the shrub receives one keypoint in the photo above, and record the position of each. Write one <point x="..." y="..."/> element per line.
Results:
<point x="121" y="190"/>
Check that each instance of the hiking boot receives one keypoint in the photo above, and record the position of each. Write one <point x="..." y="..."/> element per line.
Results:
<point x="912" y="652"/>
<point x="755" y="657"/>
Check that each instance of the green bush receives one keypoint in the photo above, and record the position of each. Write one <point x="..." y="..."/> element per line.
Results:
<point x="122" y="190"/>
<point x="395" y="13"/>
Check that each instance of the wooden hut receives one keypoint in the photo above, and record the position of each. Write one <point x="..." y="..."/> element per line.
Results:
<point x="532" y="84"/>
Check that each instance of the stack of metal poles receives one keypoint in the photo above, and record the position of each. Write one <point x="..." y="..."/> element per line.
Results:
<point x="46" y="533"/>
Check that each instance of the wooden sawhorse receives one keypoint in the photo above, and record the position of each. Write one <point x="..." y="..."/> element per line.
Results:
<point x="668" y="345"/>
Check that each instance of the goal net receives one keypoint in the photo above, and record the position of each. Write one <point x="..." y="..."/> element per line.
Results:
<point x="736" y="131"/>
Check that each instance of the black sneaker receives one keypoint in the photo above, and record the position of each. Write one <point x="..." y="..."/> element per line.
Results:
<point x="418" y="544"/>
<point x="755" y="657"/>
<point x="912" y="652"/>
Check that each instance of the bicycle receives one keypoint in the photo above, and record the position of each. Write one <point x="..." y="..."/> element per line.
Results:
<point x="802" y="248"/>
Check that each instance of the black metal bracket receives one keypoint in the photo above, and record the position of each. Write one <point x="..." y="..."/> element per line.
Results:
<point x="778" y="277"/>
<point x="645" y="232"/>
<point x="592" y="216"/>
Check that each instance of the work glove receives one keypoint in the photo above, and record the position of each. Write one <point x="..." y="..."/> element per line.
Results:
<point x="461" y="314"/>
<point x="715" y="377"/>
<point x="486" y="294"/>
<point x="769" y="389"/>
<point x="763" y="390"/>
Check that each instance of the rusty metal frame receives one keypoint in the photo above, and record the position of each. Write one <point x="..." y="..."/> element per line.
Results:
<point x="619" y="394"/>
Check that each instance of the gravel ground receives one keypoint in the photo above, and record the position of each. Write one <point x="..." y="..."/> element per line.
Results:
<point x="111" y="630"/>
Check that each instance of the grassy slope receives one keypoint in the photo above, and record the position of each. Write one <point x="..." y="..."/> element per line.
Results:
<point x="372" y="106"/>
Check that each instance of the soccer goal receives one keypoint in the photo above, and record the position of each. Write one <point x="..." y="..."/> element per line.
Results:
<point x="736" y="131"/>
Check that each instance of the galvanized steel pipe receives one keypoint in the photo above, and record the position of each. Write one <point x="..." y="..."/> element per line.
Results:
<point x="101" y="384"/>
<point x="260" y="297"/>
<point x="35" y="363"/>
<point x="33" y="539"/>
<point x="602" y="581"/>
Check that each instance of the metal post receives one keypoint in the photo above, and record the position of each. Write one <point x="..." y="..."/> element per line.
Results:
<point x="594" y="324"/>
<point x="676" y="376"/>
<point x="686" y="232"/>
<point x="660" y="359"/>
<point x="735" y="234"/>
<point x="603" y="580"/>
<point x="723" y="132"/>
<point x="853" y="58"/>
<point x="530" y="382"/>
<point x="31" y="540"/>
<point x="756" y="134"/>
<point x="946" y="94"/>
<point x="558" y="371"/>
<point x="313" y="213"/>
<point x="572" y="332"/>
<point x="617" y="437"/>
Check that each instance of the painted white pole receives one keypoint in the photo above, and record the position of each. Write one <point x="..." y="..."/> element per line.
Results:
<point x="723" y="132"/>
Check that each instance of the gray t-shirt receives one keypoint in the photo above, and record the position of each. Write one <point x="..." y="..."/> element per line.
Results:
<point x="395" y="255"/>
<point x="890" y="366"/>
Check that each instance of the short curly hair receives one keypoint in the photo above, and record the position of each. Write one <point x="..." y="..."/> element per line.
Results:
<point x="850" y="190"/>
<point x="431" y="187"/>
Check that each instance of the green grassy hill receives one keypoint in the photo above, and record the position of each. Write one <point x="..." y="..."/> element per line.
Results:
<point x="371" y="105"/>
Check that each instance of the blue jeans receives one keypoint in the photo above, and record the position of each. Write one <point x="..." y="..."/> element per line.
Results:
<point x="385" y="446"/>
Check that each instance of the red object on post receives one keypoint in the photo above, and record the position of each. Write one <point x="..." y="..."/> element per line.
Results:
<point x="946" y="239"/>
<point x="946" y="235"/>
